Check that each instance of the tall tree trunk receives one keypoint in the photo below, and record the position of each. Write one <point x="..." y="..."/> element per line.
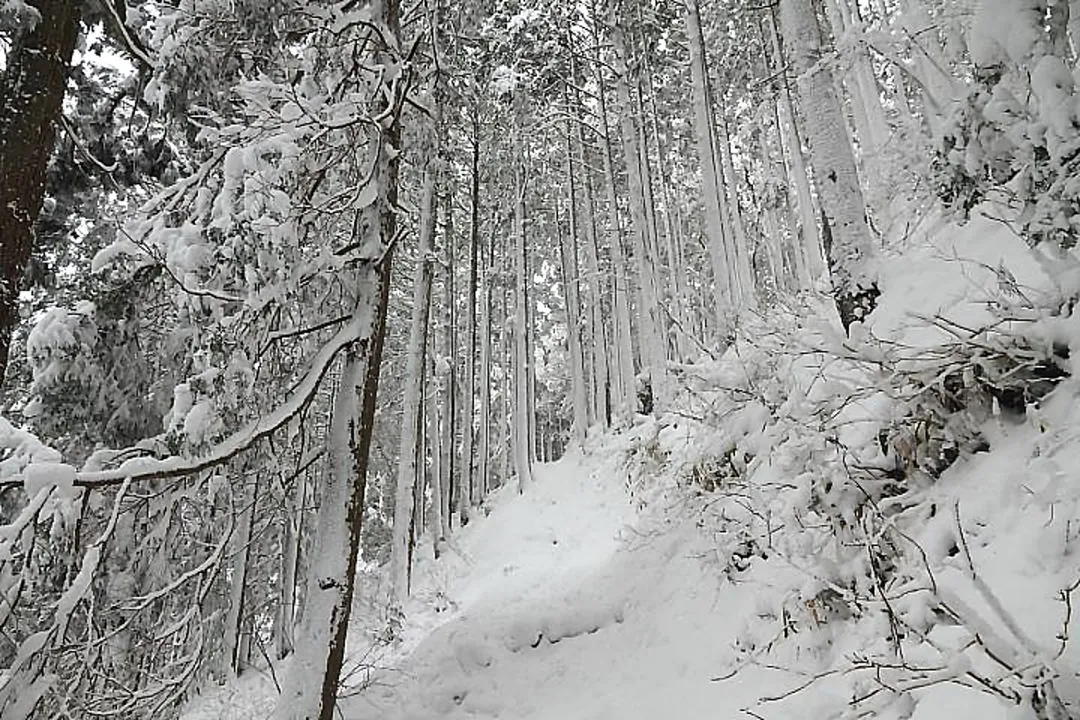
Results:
<point x="651" y="342"/>
<point x="521" y="426"/>
<point x="835" y="173"/>
<point x="439" y="501"/>
<point x="419" y="490"/>
<point x="290" y="558"/>
<point x="865" y="81"/>
<point x="723" y="267"/>
<point x="598" y="346"/>
<point x="469" y="411"/>
<point x="809" y="257"/>
<point x="483" y="460"/>
<point x="31" y="92"/>
<point x="568" y="257"/>
<point x="740" y="238"/>
<point x="241" y="554"/>
<point x="310" y="690"/>
<point x="931" y="64"/>
<point x="411" y="412"/>
<point x="624" y="394"/>
<point x="675" y="263"/>
<point x="507" y="364"/>
<point x="450" y="418"/>
<point x="530" y="330"/>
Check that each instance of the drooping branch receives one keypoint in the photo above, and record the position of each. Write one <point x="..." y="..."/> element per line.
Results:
<point x="143" y="469"/>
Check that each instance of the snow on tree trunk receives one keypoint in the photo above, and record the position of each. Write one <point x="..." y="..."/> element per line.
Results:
<point x="623" y="390"/>
<point x="411" y="411"/>
<point x="529" y="334"/>
<point x="482" y="459"/>
<point x="931" y="65"/>
<point x="724" y="281"/>
<point x="865" y="81"/>
<point x="598" y="347"/>
<point x="741" y="248"/>
<point x="568" y="257"/>
<point x="433" y="439"/>
<point x="469" y="411"/>
<point x="310" y="689"/>
<point x="835" y="174"/>
<point x="651" y="343"/>
<point x="31" y="91"/>
<point x="521" y="423"/>
<point x="507" y="364"/>
<point x="810" y="261"/>
<point x="450" y="420"/>
<point x="290" y="553"/>
<point x="1073" y="26"/>
<point x="673" y="248"/>
<point x="865" y="99"/>
<point x="241" y="543"/>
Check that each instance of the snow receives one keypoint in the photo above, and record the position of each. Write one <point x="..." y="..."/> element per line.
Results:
<point x="1005" y="30"/>
<point x="41" y="475"/>
<point x="700" y="569"/>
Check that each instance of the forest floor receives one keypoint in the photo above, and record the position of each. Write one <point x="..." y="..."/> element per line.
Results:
<point x="567" y="604"/>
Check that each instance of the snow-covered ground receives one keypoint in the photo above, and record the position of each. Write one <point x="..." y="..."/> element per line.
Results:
<point x="567" y="607"/>
<point x="565" y="603"/>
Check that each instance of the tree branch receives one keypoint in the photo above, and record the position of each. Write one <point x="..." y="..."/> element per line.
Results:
<point x="142" y="469"/>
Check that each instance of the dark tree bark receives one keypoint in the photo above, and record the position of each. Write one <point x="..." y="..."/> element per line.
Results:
<point x="31" y="93"/>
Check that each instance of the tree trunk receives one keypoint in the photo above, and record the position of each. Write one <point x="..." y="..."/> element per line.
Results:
<point x="290" y="557"/>
<point x="433" y="438"/>
<point x="740" y="239"/>
<point x="241" y="553"/>
<point x="809" y="258"/>
<point x="469" y="411"/>
<point x="675" y="263"/>
<point x="31" y="92"/>
<point x="521" y="424"/>
<point x="450" y="417"/>
<point x="529" y="331"/>
<point x="598" y="346"/>
<point x="483" y="460"/>
<point x="835" y="173"/>
<point x="724" y="273"/>
<point x="651" y="343"/>
<point x="411" y="412"/>
<point x="931" y="65"/>
<point x="507" y="363"/>
<point x="310" y="690"/>
<point x="568" y="256"/>
<point x="623" y="390"/>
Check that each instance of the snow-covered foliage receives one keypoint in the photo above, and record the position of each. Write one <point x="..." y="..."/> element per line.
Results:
<point x="1016" y="128"/>
<point x="882" y="493"/>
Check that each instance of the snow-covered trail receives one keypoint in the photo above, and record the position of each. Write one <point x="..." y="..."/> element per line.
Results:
<point x="566" y="609"/>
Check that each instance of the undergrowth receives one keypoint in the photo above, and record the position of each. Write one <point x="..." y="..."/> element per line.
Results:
<point x="816" y="462"/>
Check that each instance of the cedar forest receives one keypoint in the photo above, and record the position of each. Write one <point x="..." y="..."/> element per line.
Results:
<point x="297" y="297"/>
